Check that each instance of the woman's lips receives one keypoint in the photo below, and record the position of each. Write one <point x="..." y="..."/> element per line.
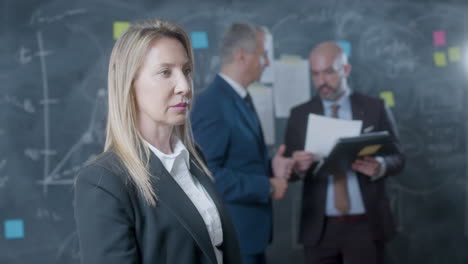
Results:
<point x="180" y="106"/>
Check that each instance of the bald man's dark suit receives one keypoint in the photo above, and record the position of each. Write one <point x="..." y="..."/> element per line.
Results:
<point x="374" y="115"/>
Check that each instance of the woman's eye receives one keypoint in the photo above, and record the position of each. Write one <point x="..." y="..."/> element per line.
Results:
<point x="188" y="71"/>
<point x="165" y="73"/>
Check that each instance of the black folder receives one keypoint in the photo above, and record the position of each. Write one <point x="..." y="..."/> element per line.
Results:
<point x="348" y="149"/>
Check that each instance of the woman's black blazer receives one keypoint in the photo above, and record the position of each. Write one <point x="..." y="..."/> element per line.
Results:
<point x="115" y="225"/>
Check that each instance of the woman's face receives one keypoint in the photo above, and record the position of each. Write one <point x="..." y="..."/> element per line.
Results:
<point x="163" y="85"/>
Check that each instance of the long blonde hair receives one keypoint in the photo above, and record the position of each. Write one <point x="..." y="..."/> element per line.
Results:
<point x="123" y="136"/>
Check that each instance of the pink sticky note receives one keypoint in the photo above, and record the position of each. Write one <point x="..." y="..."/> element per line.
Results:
<point x="439" y="38"/>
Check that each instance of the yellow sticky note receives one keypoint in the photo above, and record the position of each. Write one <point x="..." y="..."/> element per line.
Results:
<point x="120" y="28"/>
<point x="454" y="54"/>
<point x="387" y="96"/>
<point x="440" y="59"/>
<point x="289" y="58"/>
<point x="369" y="150"/>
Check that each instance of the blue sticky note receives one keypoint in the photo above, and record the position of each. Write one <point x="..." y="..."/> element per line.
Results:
<point x="199" y="39"/>
<point x="14" y="229"/>
<point x="346" y="46"/>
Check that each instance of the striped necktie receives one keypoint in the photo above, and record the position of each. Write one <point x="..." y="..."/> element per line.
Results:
<point x="340" y="184"/>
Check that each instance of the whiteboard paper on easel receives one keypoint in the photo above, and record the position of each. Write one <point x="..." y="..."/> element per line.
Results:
<point x="291" y="86"/>
<point x="268" y="74"/>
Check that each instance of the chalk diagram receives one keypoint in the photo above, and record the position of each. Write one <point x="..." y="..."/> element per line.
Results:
<point x="439" y="116"/>
<point x="58" y="165"/>
<point x="3" y="178"/>
<point x="60" y="174"/>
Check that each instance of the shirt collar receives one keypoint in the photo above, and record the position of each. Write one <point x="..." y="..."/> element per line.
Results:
<point x="240" y="90"/>
<point x="179" y="154"/>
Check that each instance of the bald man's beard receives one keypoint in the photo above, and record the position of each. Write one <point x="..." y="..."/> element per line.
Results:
<point x="336" y="93"/>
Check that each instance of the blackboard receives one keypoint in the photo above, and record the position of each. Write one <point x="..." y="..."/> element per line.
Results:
<point x="53" y="67"/>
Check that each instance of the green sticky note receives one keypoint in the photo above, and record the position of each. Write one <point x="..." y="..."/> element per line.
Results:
<point x="387" y="96"/>
<point x="454" y="54"/>
<point x="120" y="28"/>
<point x="440" y="59"/>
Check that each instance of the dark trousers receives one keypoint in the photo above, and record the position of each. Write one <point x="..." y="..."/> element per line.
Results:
<point x="347" y="241"/>
<point x="254" y="259"/>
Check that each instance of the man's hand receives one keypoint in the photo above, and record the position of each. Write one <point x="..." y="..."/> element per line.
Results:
<point x="368" y="166"/>
<point x="282" y="166"/>
<point x="302" y="161"/>
<point x="280" y="186"/>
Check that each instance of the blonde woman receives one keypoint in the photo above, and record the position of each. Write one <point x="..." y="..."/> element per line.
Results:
<point x="149" y="197"/>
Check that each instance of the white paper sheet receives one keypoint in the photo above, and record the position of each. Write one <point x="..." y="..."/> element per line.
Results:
<point x="268" y="74"/>
<point x="262" y="98"/>
<point x="291" y="86"/>
<point x="323" y="132"/>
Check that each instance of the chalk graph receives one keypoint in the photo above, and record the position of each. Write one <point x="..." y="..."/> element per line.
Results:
<point x="59" y="173"/>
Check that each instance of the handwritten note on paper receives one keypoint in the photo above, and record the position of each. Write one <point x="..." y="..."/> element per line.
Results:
<point x="119" y="28"/>
<point x="292" y="85"/>
<point x="268" y="73"/>
<point x="387" y="96"/>
<point x="439" y="38"/>
<point x="345" y="46"/>
<point x="454" y="54"/>
<point x="199" y="39"/>
<point x="323" y="132"/>
<point x="440" y="59"/>
<point x="263" y="100"/>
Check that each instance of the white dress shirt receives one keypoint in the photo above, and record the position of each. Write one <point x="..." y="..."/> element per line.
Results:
<point x="178" y="165"/>
<point x="355" y="196"/>
<point x="354" y="191"/>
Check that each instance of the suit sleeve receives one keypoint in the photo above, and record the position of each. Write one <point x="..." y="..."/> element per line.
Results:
<point x="394" y="163"/>
<point x="212" y="133"/>
<point x="105" y="230"/>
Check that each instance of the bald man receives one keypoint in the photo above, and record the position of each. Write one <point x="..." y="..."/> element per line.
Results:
<point x="346" y="217"/>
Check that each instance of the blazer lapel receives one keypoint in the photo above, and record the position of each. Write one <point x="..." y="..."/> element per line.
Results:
<point x="247" y="115"/>
<point x="357" y="111"/>
<point x="316" y="106"/>
<point x="358" y="114"/>
<point x="204" y="180"/>
<point x="172" y="195"/>
<point x="230" y="250"/>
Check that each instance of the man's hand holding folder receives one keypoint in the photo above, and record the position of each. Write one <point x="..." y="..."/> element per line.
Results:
<point x="358" y="153"/>
<point x="343" y="149"/>
<point x="359" y="159"/>
<point x="368" y="166"/>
